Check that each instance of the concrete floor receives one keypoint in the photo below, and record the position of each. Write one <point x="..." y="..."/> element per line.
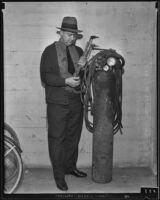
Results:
<point x="124" y="180"/>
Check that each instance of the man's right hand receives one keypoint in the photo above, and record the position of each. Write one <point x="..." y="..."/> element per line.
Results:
<point x="72" y="81"/>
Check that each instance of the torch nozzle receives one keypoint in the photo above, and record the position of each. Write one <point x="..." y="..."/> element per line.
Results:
<point x="93" y="37"/>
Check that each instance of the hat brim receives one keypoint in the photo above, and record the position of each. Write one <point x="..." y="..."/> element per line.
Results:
<point x="79" y="36"/>
<point x="70" y="30"/>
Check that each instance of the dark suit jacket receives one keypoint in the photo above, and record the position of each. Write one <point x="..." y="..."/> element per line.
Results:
<point x="50" y="76"/>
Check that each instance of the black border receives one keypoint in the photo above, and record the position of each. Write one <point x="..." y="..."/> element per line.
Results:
<point x="115" y="196"/>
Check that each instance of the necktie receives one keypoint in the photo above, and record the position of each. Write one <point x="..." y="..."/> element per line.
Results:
<point x="70" y="62"/>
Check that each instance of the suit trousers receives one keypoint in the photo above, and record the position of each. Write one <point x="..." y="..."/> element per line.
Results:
<point x="64" y="131"/>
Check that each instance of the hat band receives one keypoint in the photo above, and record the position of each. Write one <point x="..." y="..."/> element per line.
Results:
<point x="71" y="26"/>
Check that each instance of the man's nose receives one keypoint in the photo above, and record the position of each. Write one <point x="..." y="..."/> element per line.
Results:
<point x="72" y="37"/>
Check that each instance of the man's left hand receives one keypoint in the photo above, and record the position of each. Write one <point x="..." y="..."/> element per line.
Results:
<point x="82" y="61"/>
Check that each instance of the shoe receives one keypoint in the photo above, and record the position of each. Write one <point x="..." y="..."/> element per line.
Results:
<point x="62" y="185"/>
<point x="77" y="173"/>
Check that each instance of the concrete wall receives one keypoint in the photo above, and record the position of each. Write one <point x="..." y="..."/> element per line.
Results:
<point x="128" y="27"/>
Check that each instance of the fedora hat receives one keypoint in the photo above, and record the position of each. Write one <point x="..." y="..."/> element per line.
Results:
<point x="69" y="24"/>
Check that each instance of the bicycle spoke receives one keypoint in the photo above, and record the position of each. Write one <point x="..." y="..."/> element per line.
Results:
<point x="9" y="151"/>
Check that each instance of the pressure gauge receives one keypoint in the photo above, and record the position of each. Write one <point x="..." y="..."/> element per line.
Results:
<point x="111" y="61"/>
<point x="106" y="68"/>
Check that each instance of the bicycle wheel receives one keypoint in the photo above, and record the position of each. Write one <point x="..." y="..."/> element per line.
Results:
<point x="13" y="167"/>
<point x="8" y="131"/>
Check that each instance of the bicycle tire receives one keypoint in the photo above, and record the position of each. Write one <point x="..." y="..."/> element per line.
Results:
<point x="11" y="133"/>
<point x="15" y="155"/>
<point x="13" y="143"/>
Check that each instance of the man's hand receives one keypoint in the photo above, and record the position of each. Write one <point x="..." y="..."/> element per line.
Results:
<point x="72" y="81"/>
<point x="82" y="61"/>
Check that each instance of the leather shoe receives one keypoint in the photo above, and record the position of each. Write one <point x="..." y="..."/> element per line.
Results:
<point x="77" y="173"/>
<point x="62" y="185"/>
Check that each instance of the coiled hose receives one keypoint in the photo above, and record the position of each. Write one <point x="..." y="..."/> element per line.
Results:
<point x="87" y="91"/>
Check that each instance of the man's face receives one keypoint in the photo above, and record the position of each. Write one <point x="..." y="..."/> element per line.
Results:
<point x="68" y="37"/>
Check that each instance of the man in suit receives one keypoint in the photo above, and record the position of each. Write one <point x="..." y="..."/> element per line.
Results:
<point x="64" y="107"/>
